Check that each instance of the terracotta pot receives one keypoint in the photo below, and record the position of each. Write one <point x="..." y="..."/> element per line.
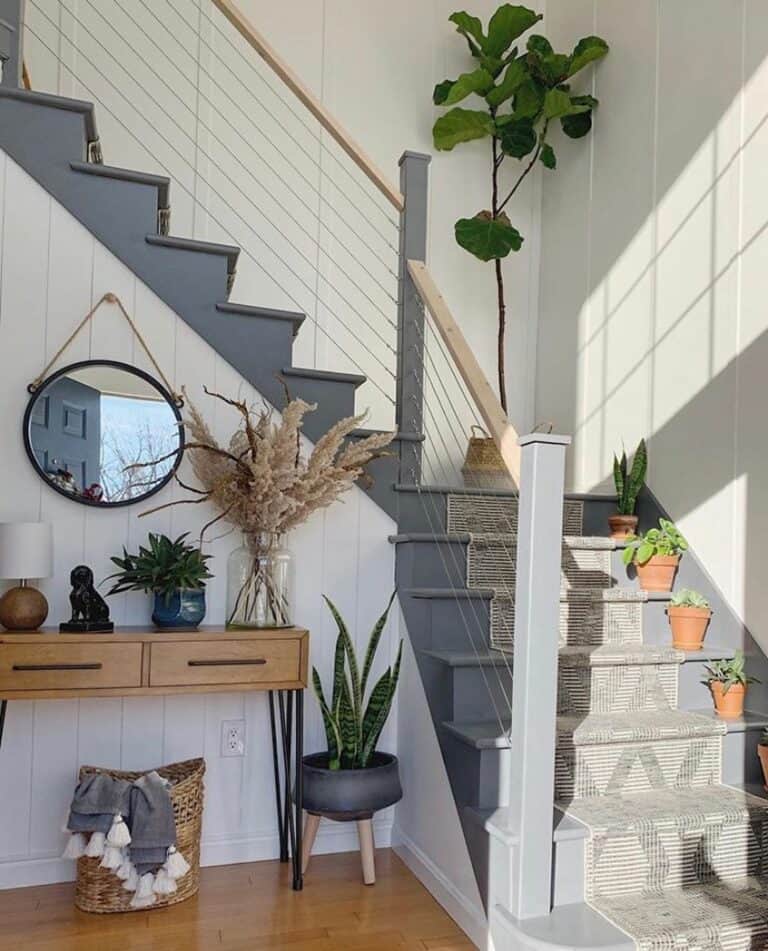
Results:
<point x="658" y="573"/>
<point x="762" y="752"/>
<point x="689" y="625"/>
<point x="622" y="526"/>
<point x="729" y="706"/>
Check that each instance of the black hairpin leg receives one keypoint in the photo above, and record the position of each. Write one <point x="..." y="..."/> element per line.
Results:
<point x="3" y="708"/>
<point x="288" y="794"/>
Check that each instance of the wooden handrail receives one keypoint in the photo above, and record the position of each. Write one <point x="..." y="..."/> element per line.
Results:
<point x="278" y="65"/>
<point x="494" y="417"/>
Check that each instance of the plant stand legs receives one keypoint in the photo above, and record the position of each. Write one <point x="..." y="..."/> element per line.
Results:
<point x="365" y="835"/>
<point x="310" y="831"/>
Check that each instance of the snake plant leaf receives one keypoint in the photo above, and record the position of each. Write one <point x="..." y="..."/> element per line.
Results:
<point x="586" y="51"/>
<point x="349" y="647"/>
<point x="379" y="696"/>
<point x="547" y="156"/>
<point x="338" y="670"/>
<point x="471" y="29"/>
<point x="460" y="125"/>
<point x="504" y="27"/>
<point x="374" y="733"/>
<point x="488" y="238"/>
<point x="480" y="81"/>
<point x="348" y="726"/>
<point x="636" y="479"/>
<point x="332" y="734"/>
<point x="514" y="77"/>
<point x="441" y="91"/>
<point x="518" y="138"/>
<point x="373" y="643"/>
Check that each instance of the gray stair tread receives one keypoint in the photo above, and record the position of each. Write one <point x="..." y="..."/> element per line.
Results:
<point x="481" y="658"/>
<point x="247" y="310"/>
<point x="708" y="652"/>
<point x="625" y="814"/>
<point x="617" y="655"/>
<point x="46" y="99"/>
<point x="460" y="594"/>
<point x="399" y="436"/>
<point x="507" y="539"/>
<point x="161" y="182"/>
<point x="575" y="927"/>
<point x="473" y="490"/>
<point x="309" y="373"/>
<point x="230" y="251"/>
<point x="482" y="734"/>
<point x="752" y="720"/>
<point x="498" y="823"/>
<point x="642" y="726"/>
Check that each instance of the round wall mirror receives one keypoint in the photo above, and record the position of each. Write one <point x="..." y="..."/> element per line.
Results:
<point x="103" y="433"/>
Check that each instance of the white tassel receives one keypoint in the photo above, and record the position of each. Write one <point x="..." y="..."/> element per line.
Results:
<point x="113" y="858"/>
<point x="176" y="865"/>
<point x="95" y="847"/>
<point x="75" y="846"/>
<point x="146" y="887"/>
<point x="132" y="882"/>
<point x="137" y="902"/>
<point x="119" y="836"/>
<point x="164" y="884"/>
<point x="124" y="872"/>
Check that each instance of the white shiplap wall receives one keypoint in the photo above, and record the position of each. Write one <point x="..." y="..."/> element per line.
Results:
<point x="51" y="271"/>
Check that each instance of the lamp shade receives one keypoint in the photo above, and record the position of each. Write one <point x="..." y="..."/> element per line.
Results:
<point x="26" y="550"/>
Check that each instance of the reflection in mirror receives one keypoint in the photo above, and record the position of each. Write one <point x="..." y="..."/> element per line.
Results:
<point x="103" y="433"/>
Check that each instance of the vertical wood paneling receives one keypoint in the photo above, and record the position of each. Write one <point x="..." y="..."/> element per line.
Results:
<point x="51" y="270"/>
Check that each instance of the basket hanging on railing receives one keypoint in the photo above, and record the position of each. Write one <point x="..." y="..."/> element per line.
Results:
<point x="484" y="467"/>
<point x="99" y="890"/>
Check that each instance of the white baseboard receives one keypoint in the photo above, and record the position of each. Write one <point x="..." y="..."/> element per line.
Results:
<point x="230" y="850"/>
<point x="463" y="911"/>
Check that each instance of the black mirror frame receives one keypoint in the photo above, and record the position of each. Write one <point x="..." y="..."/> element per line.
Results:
<point x="118" y="365"/>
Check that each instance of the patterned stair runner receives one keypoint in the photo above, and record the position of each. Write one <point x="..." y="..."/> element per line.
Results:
<point x="675" y="859"/>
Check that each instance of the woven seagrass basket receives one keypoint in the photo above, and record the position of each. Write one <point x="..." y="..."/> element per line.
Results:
<point x="483" y="466"/>
<point x="99" y="890"/>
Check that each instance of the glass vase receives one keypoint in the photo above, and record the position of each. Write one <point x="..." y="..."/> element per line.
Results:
<point x="260" y="584"/>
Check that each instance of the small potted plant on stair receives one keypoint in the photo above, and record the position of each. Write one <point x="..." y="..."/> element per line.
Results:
<point x="728" y="681"/>
<point x="628" y="481"/>
<point x="689" y="614"/>
<point x="175" y="572"/>
<point x="352" y="780"/>
<point x="656" y="555"/>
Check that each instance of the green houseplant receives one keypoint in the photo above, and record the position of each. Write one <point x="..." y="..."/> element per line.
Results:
<point x="728" y="681"/>
<point x="352" y="780"/>
<point x="175" y="572"/>
<point x="523" y="94"/>
<point x="656" y="555"/>
<point x="689" y="614"/>
<point x="628" y="480"/>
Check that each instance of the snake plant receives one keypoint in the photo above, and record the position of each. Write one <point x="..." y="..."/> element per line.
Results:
<point x="352" y="727"/>
<point x="729" y="672"/>
<point x="629" y="481"/>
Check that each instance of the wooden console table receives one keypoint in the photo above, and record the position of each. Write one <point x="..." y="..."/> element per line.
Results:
<point x="46" y="665"/>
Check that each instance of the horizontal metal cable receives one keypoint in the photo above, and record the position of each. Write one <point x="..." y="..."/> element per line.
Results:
<point x="287" y="104"/>
<point x="261" y="211"/>
<point x="330" y="336"/>
<point x="332" y="313"/>
<point x="259" y="133"/>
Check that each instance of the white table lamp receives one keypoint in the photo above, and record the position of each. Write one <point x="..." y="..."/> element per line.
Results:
<point x="26" y="552"/>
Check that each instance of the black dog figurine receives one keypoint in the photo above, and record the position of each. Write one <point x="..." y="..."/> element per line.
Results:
<point x="90" y="612"/>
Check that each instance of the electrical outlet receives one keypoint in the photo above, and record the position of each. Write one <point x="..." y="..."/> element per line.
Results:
<point x="233" y="738"/>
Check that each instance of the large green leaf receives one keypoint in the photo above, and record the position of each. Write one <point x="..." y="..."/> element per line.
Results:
<point x="379" y="696"/>
<point x="577" y="126"/>
<point x="586" y="51"/>
<point x="348" y="727"/>
<point x="518" y="138"/>
<point x="479" y="81"/>
<point x="373" y="643"/>
<point x="461" y="125"/>
<point x="441" y="91"/>
<point x="557" y="103"/>
<point x="515" y="75"/>
<point x="547" y="156"/>
<point x="354" y="674"/>
<point x="471" y="28"/>
<point x="486" y="237"/>
<point x="506" y="24"/>
<point x="539" y="44"/>
<point x="332" y="734"/>
<point x="374" y="733"/>
<point x="529" y="100"/>
<point x="338" y="670"/>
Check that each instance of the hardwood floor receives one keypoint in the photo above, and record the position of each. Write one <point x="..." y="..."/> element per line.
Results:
<point x="248" y="908"/>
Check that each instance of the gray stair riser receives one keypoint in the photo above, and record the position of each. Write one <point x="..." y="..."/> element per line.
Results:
<point x="481" y="776"/>
<point x="741" y="764"/>
<point x="335" y="400"/>
<point x="420" y="511"/>
<point x="434" y="564"/>
<point x="481" y="693"/>
<point x="40" y="138"/>
<point x="720" y="849"/>
<point x="460" y="624"/>
<point x="619" y="689"/>
<point x="384" y="474"/>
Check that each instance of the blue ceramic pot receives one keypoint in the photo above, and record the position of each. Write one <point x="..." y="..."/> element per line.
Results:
<point x="184" y="609"/>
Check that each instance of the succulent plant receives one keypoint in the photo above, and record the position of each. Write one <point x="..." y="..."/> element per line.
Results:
<point x="687" y="598"/>
<point x="163" y="568"/>
<point x="664" y="540"/>
<point x="729" y="672"/>
<point x="353" y="728"/>
<point x="629" y="481"/>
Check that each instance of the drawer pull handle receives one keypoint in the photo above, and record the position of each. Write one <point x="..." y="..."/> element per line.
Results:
<point x="254" y="662"/>
<point x="28" y="667"/>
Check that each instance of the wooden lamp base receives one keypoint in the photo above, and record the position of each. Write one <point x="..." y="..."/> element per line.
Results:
<point x="23" y="609"/>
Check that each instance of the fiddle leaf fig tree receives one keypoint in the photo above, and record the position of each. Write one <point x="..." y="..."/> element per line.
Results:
<point x="520" y="96"/>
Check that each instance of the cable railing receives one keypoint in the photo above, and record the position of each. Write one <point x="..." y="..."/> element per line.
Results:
<point x="180" y="93"/>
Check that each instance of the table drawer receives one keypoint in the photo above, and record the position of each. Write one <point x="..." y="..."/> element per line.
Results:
<point x="37" y="666"/>
<point x="271" y="661"/>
